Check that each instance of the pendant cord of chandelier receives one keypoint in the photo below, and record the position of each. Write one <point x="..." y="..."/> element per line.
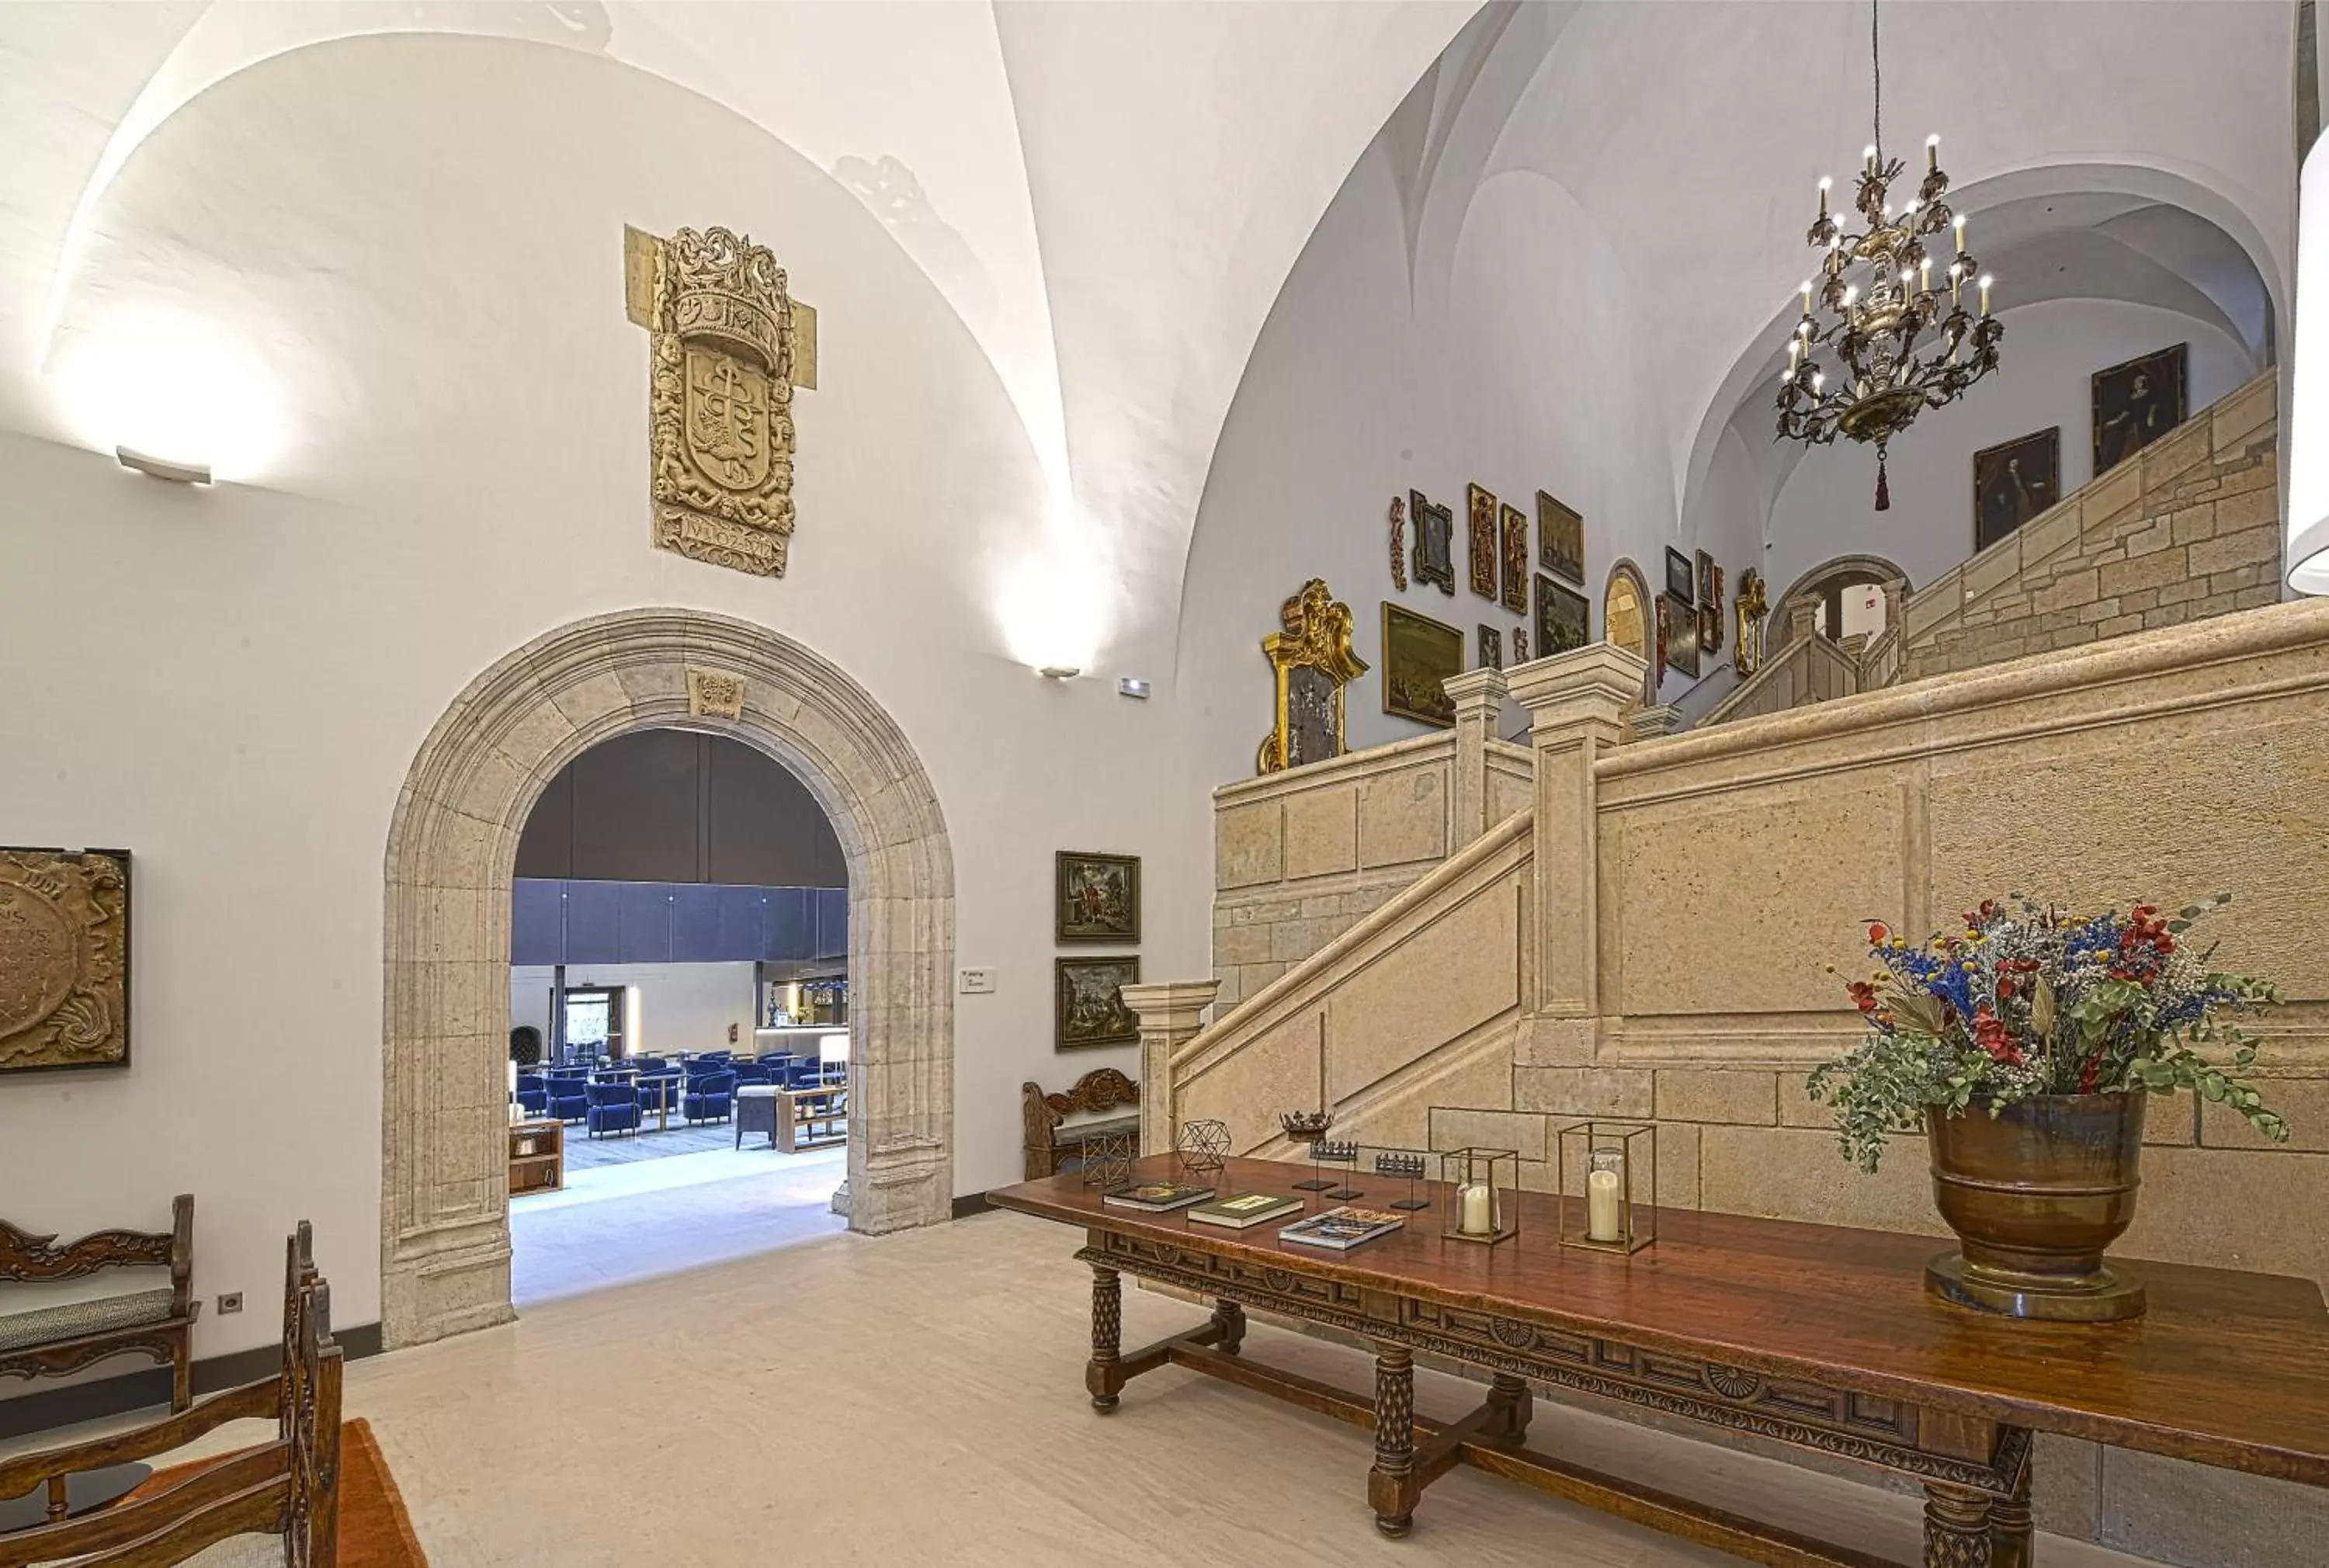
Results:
<point x="1876" y="75"/>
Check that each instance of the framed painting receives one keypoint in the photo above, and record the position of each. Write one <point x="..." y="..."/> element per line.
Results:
<point x="1710" y="634"/>
<point x="1520" y="645"/>
<point x="1681" y="619"/>
<point x="1483" y="514"/>
<point x="1560" y="538"/>
<point x="1681" y="583"/>
<point x="1660" y="614"/>
<point x="1096" y="897"/>
<point x="1418" y="654"/>
<point x="1562" y="618"/>
<point x="64" y="959"/>
<point x="1516" y="560"/>
<point x="2136" y="403"/>
<point x="2014" y="482"/>
<point x="1090" y="1004"/>
<point x="1434" y="541"/>
<point x="1705" y="594"/>
<point x="1492" y="649"/>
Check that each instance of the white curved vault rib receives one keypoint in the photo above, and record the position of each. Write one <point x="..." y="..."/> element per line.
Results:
<point x="905" y="105"/>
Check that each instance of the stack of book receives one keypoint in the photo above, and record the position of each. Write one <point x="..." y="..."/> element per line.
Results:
<point x="1250" y="1209"/>
<point x="1157" y="1197"/>
<point x="1342" y="1228"/>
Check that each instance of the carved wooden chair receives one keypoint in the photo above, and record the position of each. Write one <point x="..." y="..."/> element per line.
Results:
<point x="1054" y="1143"/>
<point x="158" y="1323"/>
<point x="287" y="1487"/>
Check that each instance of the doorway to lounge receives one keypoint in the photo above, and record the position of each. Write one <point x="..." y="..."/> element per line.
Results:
<point x="448" y="881"/>
<point x="679" y="1014"/>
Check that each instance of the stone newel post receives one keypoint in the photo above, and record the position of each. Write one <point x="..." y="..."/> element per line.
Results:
<point x="1577" y="704"/>
<point x="1172" y="1013"/>
<point x="1479" y="698"/>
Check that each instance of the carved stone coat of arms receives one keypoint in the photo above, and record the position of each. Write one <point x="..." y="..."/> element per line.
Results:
<point x="64" y="959"/>
<point x="729" y="346"/>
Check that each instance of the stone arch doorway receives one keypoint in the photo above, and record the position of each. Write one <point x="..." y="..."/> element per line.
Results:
<point x="1831" y="578"/>
<point x="1625" y="620"/>
<point x="452" y="844"/>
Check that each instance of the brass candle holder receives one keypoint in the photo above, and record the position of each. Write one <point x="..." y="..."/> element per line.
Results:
<point x="1613" y="1166"/>
<point x="1481" y="1184"/>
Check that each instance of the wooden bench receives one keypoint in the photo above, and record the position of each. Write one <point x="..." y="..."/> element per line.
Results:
<point x="288" y="1487"/>
<point x="1053" y="1142"/>
<point x="160" y="1322"/>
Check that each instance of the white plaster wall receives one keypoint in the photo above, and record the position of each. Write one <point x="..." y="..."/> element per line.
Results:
<point x="2051" y="351"/>
<point x="231" y="682"/>
<point x="683" y="1007"/>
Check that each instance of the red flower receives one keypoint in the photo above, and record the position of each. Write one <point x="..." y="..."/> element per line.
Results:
<point x="1989" y="1032"/>
<point x="2004" y="988"/>
<point x="1863" y="995"/>
<point x="1878" y="934"/>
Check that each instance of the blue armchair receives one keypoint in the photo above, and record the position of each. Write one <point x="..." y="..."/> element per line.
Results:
<point x="614" y="1108"/>
<point x="650" y="1066"/>
<point x="710" y="1098"/>
<point x="532" y="1095"/>
<point x="567" y="1089"/>
<point x="752" y="1073"/>
<point x="808" y="1072"/>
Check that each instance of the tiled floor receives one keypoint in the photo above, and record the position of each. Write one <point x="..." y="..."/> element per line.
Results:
<point x="617" y="1224"/>
<point x="917" y="1399"/>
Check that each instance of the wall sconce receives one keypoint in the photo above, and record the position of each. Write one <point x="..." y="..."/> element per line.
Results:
<point x="1134" y="687"/>
<point x="162" y="467"/>
<point x="1059" y="671"/>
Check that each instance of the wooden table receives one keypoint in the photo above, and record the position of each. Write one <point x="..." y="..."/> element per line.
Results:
<point x="800" y="1109"/>
<point x="1812" y="1335"/>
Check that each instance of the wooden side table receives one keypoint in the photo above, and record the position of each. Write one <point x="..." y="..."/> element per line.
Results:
<point x="804" y="1110"/>
<point x="537" y="1156"/>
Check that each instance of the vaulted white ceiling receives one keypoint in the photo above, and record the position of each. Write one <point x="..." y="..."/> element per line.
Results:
<point x="1108" y="196"/>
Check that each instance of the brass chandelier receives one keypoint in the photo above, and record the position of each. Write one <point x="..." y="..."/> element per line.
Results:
<point x="1899" y="352"/>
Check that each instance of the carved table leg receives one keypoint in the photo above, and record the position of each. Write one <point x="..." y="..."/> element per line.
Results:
<point x="1104" y="1373"/>
<point x="1391" y="1491"/>
<point x="2009" y="1524"/>
<point x="1230" y="1318"/>
<point x="1957" y="1527"/>
<point x="1510" y="1398"/>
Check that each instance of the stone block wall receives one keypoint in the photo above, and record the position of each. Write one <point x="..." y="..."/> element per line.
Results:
<point x="1301" y="857"/>
<point x="2188" y="528"/>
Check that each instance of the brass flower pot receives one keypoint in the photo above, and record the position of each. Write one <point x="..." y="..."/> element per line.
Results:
<point x="2036" y="1194"/>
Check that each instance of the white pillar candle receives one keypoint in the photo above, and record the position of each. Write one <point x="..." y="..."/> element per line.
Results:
<point x="1475" y="1218"/>
<point x="1604" y="1206"/>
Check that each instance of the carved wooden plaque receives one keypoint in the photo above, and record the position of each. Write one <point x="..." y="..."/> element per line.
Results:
<point x="726" y="357"/>
<point x="64" y="959"/>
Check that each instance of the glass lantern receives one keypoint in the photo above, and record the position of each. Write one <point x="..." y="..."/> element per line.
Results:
<point x="1481" y="1185"/>
<point x="1608" y="1186"/>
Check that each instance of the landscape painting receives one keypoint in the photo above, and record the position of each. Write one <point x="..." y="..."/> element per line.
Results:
<point x="1418" y="654"/>
<point x="1091" y="1010"/>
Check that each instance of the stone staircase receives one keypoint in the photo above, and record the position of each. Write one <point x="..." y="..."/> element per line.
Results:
<point x="2187" y="529"/>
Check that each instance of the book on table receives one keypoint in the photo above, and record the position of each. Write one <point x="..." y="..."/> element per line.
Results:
<point x="1249" y="1208"/>
<point x="1342" y="1228"/>
<point x="1157" y="1196"/>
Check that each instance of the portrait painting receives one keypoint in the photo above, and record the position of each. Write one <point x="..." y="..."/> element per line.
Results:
<point x="1710" y="633"/>
<point x="1492" y="649"/>
<point x="1434" y="541"/>
<point x="1561" y="618"/>
<point x="1419" y="656"/>
<point x="1096" y="897"/>
<point x="2136" y="403"/>
<point x="2014" y="482"/>
<point x="1483" y="512"/>
<point x="1516" y="560"/>
<point x="1560" y="538"/>
<point x="1705" y="594"/>
<point x="1090" y="1009"/>
<point x="1680" y="617"/>
<point x="1681" y="583"/>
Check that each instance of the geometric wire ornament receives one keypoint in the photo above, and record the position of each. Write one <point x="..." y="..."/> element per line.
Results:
<point x="1203" y="1145"/>
<point x="1878" y="303"/>
<point x="1108" y="1160"/>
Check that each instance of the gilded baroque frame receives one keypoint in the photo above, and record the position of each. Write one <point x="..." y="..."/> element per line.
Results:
<point x="1315" y="637"/>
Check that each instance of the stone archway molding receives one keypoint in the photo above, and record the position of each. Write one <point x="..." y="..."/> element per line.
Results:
<point x="452" y="848"/>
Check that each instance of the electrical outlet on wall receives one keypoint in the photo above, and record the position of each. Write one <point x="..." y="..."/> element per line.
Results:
<point x="230" y="1302"/>
<point x="976" y="981"/>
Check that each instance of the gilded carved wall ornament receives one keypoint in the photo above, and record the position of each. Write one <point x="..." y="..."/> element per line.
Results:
<point x="730" y="347"/>
<point x="1399" y="543"/>
<point x="714" y="693"/>
<point x="1312" y="661"/>
<point x="1752" y="606"/>
<point x="64" y="959"/>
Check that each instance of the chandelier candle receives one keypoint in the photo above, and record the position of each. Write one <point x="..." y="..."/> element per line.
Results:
<point x="1878" y="314"/>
